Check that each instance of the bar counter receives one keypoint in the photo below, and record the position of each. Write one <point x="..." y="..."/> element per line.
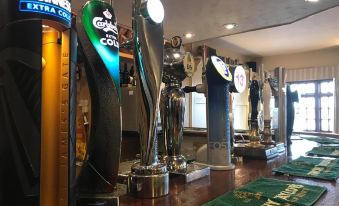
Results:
<point x="219" y="182"/>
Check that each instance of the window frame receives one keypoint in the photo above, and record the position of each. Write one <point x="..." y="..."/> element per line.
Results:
<point x="317" y="95"/>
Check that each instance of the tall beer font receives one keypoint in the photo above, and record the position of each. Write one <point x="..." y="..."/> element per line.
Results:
<point x="267" y="93"/>
<point x="218" y="78"/>
<point x="177" y="66"/>
<point x="98" y="41"/>
<point x="37" y="103"/>
<point x="148" y="178"/>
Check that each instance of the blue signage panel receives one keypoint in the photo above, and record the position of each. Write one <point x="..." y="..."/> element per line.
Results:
<point x="57" y="10"/>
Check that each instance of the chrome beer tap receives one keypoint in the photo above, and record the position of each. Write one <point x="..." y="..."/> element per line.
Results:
<point x="177" y="66"/>
<point x="148" y="178"/>
<point x="266" y="94"/>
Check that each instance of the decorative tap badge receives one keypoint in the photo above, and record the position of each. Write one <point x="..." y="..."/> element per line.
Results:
<point x="240" y="79"/>
<point x="222" y="68"/>
<point x="56" y="10"/>
<point x="100" y="24"/>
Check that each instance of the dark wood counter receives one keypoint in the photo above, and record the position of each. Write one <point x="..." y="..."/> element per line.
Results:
<point x="219" y="182"/>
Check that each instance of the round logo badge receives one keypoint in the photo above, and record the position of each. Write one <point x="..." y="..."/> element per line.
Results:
<point x="176" y="42"/>
<point x="240" y="79"/>
<point x="222" y="68"/>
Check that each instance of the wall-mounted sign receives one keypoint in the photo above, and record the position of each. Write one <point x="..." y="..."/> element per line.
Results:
<point x="240" y="79"/>
<point x="100" y="24"/>
<point x="222" y="68"/>
<point x="56" y="10"/>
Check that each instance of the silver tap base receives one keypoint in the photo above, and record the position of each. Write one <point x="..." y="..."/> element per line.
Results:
<point x="148" y="181"/>
<point x="176" y="164"/>
<point x="98" y="200"/>
<point x="193" y="172"/>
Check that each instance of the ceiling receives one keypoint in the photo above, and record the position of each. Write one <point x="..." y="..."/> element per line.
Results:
<point x="206" y="18"/>
<point x="315" y="32"/>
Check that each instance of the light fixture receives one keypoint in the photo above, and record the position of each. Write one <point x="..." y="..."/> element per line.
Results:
<point x="188" y="35"/>
<point x="311" y="0"/>
<point x="230" y="26"/>
<point x="155" y="10"/>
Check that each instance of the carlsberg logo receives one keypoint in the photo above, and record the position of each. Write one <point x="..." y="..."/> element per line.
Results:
<point x="106" y="25"/>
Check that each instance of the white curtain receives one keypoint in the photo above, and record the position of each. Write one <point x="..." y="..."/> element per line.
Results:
<point x="313" y="73"/>
<point x="319" y="73"/>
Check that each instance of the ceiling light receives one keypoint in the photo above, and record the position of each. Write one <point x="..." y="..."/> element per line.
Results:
<point x="311" y="0"/>
<point x="188" y="35"/>
<point x="155" y="10"/>
<point x="230" y="26"/>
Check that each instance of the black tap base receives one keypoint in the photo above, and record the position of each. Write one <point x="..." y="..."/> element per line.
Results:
<point x="266" y="153"/>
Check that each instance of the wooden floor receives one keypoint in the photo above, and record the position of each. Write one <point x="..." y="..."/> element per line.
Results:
<point x="219" y="182"/>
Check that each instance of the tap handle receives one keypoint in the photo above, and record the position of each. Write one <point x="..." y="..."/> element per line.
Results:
<point x="188" y="89"/>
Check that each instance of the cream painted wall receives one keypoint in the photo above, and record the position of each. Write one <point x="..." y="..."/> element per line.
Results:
<point x="316" y="58"/>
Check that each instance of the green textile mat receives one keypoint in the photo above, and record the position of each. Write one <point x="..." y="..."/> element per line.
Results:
<point x="320" y="140"/>
<point x="270" y="192"/>
<point x="315" y="167"/>
<point x="326" y="151"/>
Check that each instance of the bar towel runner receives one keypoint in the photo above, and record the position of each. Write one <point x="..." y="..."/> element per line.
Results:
<point x="320" y="140"/>
<point x="315" y="167"/>
<point x="326" y="151"/>
<point x="270" y="192"/>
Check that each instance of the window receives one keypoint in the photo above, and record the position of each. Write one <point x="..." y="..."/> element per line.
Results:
<point x="315" y="109"/>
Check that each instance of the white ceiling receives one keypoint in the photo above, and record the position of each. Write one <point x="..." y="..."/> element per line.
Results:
<point x="315" y="32"/>
<point x="205" y="18"/>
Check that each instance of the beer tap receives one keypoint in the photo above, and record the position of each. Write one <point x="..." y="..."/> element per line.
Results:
<point x="266" y="94"/>
<point x="255" y="94"/>
<point x="149" y="178"/>
<point x="177" y="66"/>
<point x="216" y="80"/>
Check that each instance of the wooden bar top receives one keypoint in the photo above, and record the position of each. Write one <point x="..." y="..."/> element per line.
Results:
<point x="219" y="182"/>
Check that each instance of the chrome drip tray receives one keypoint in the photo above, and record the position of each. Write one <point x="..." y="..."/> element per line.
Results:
<point x="194" y="172"/>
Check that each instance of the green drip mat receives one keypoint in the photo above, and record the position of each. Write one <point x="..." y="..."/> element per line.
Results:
<point x="314" y="167"/>
<point x="270" y="192"/>
<point x="320" y="140"/>
<point x="325" y="151"/>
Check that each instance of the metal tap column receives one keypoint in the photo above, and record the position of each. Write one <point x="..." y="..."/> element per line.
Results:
<point x="267" y="93"/>
<point x="172" y="117"/>
<point x="148" y="178"/>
